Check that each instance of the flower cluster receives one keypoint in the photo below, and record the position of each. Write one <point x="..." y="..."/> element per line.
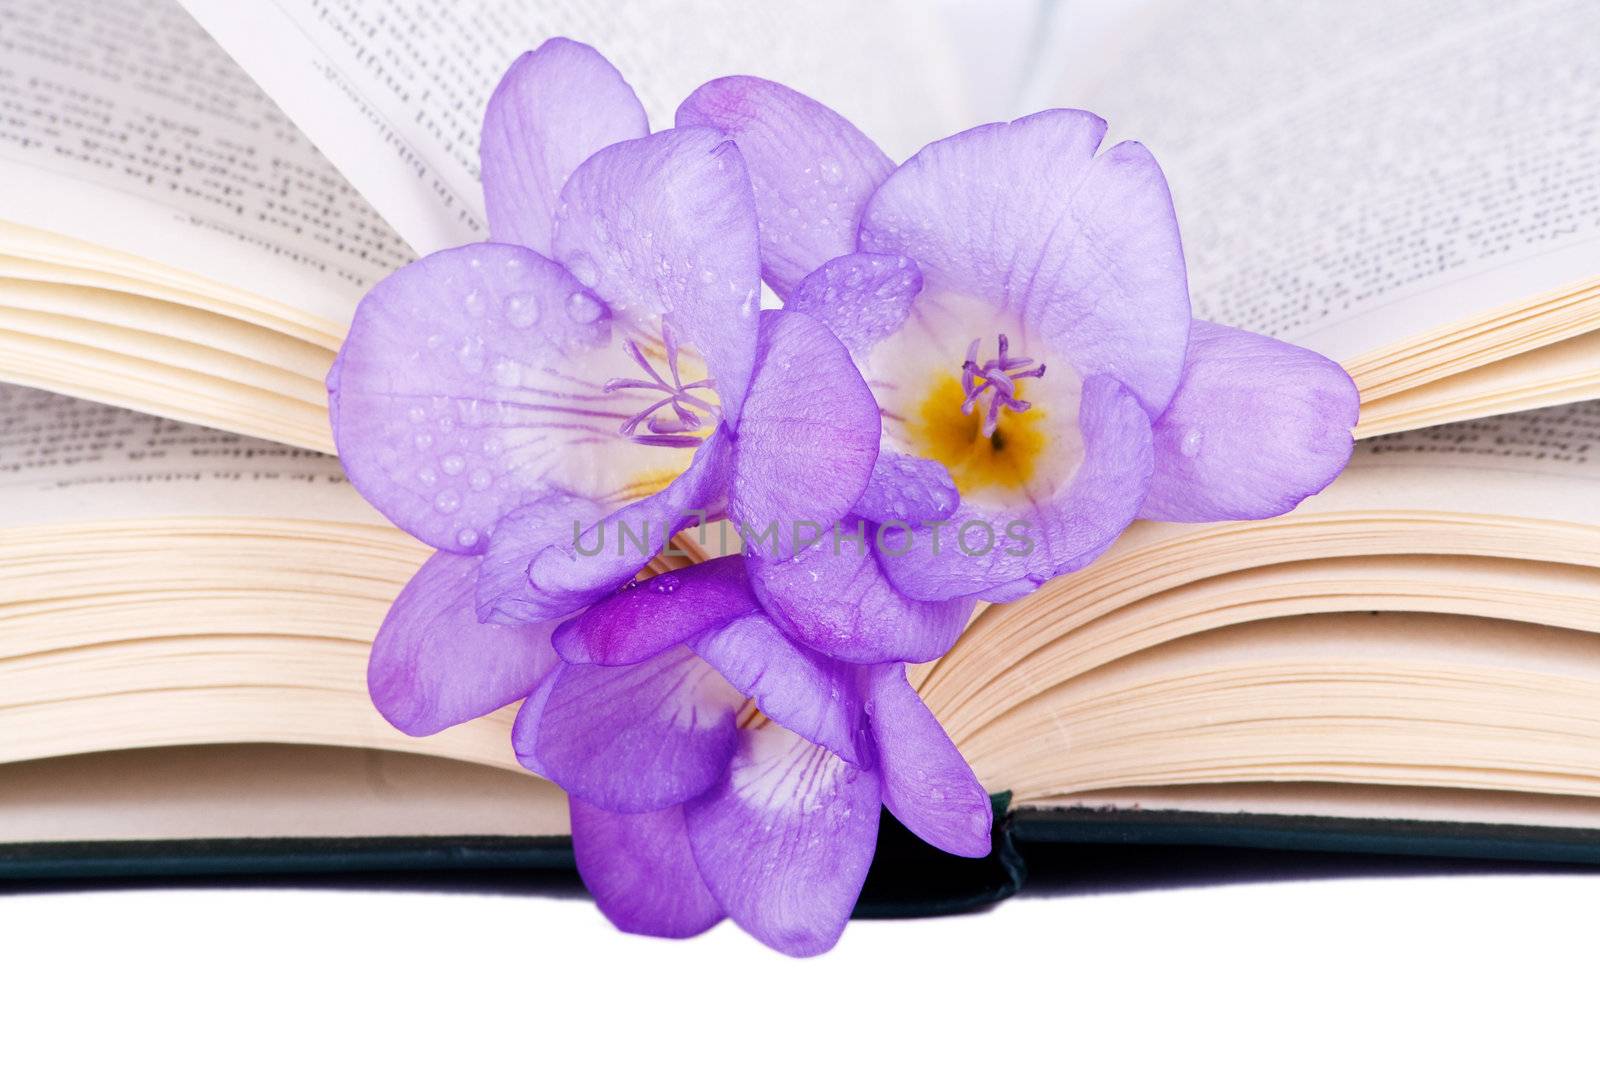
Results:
<point x="983" y="370"/>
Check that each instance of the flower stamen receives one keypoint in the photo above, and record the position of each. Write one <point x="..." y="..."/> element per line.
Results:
<point x="685" y="414"/>
<point x="999" y="375"/>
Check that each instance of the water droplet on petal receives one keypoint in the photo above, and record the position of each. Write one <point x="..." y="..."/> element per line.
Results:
<point x="423" y="441"/>
<point x="427" y="476"/>
<point x="583" y="308"/>
<point x="667" y="583"/>
<point x="416" y="414"/>
<point x="1190" y="445"/>
<point x="475" y="303"/>
<point x="447" y="501"/>
<point x="453" y="465"/>
<point x="470" y="353"/>
<point x="466" y="538"/>
<point x="830" y="170"/>
<point x="583" y="268"/>
<point x="522" y="310"/>
<point x="507" y="373"/>
<point x="480" y="479"/>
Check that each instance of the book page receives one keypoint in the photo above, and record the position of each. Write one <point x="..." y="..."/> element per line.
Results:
<point x="123" y="124"/>
<point x="394" y="93"/>
<point x="68" y="460"/>
<point x="1348" y="176"/>
<point x="273" y="790"/>
<point x="1528" y="468"/>
<point x="1345" y="800"/>
<point x="1560" y="441"/>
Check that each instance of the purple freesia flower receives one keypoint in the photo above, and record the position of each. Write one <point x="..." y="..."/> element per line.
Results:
<point x="991" y="341"/>
<point x="1018" y="302"/>
<point x="601" y="362"/>
<point x="680" y="817"/>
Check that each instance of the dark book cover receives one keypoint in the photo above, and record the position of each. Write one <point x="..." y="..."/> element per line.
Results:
<point x="908" y="877"/>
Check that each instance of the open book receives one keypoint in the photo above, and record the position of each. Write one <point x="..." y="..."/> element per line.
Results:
<point x="196" y="196"/>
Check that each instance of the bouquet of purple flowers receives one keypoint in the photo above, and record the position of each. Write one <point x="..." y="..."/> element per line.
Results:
<point x="984" y="368"/>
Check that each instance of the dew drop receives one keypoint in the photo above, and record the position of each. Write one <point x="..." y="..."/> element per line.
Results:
<point x="507" y="373"/>
<point x="583" y="308"/>
<point x="708" y="275"/>
<point x="583" y="269"/>
<point x="467" y="537"/>
<point x="416" y="414"/>
<point x="475" y="303"/>
<point x="522" y="310"/>
<point x="1190" y="445"/>
<point x="447" y="501"/>
<point x="453" y="465"/>
<point x="427" y="476"/>
<point x="667" y="583"/>
<point x="423" y="441"/>
<point x="480" y="479"/>
<point x="470" y="353"/>
<point x="830" y="170"/>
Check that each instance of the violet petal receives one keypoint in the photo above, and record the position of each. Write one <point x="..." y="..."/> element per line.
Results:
<point x="793" y="686"/>
<point x="1257" y="426"/>
<point x="862" y="298"/>
<point x="785" y="840"/>
<point x="438" y="404"/>
<point x="1083" y="249"/>
<point x="663" y="228"/>
<point x="504" y="592"/>
<point x="642" y="620"/>
<point x="613" y="550"/>
<point x="415" y="671"/>
<point x="907" y="489"/>
<point x="926" y="782"/>
<point x="835" y="598"/>
<point x="811" y="169"/>
<point x="641" y="870"/>
<point x="634" y="738"/>
<point x="555" y="107"/>
<point x="809" y="438"/>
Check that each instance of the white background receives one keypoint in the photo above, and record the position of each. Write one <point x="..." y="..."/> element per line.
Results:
<point x="1493" y="969"/>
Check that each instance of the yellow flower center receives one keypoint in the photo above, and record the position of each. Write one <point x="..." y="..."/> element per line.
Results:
<point x="1005" y="459"/>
